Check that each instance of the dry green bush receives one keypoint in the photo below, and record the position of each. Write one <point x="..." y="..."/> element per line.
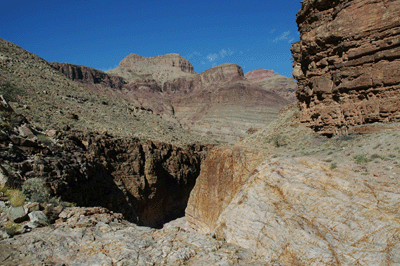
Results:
<point x="35" y="190"/>
<point x="12" y="228"/>
<point x="16" y="197"/>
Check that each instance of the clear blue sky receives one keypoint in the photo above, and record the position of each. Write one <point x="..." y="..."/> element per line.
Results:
<point x="99" y="34"/>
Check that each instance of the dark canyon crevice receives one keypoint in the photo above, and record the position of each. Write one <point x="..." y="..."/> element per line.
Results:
<point x="149" y="182"/>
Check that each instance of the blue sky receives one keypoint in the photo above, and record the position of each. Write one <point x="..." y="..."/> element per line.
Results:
<point x="99" y="34"/>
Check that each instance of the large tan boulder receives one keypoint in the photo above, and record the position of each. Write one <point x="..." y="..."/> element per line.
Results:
<point x="297" y="210"/>
<point x="223" y="173"/>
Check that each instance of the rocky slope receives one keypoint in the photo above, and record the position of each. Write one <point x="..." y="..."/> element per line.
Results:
<point x="268" y="80"/>
<point x="347" y="63"/>
<point x="48" y="99"/>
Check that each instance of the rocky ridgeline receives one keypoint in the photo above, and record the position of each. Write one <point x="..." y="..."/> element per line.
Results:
<point x="269" y="81"/>
<point x="219" y="103"/>
<point x="347" y="63"/>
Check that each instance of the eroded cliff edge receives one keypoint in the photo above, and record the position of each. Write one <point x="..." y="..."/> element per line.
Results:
<point x="347" y="63"/>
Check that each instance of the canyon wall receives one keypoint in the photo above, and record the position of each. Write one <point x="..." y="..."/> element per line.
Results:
<point x="347" y="63"/>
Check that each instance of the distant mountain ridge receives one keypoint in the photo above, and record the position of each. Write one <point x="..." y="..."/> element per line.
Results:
<point x="219" y="102"/>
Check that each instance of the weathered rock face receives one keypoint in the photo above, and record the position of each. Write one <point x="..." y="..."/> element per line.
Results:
<point x="297" y="211"/>
<point x="259" y="74"/>
<point x="161" y="68"/>
<point x="347" y="63"/>
<point x="89" y="75"/>
<point x="223" y="173"/>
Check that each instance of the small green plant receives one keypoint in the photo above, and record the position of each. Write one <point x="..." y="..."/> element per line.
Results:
<point x="376" y="156"/>
<point x="35" y="190"/>
<point x="12" y="228"/>
<point x="3" y="189"/>
<point x="6" y="127"/>
<point x="44" y="139"/>
<point x="333" y="165"/>
<point x="361" y="159"/>
<point x="279" y="141"/>
<point x="16" y="197"/>
<point x="377" y="146"/>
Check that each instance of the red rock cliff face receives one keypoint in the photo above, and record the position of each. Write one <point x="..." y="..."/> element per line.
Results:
<point x="259" y="74"/>
<point x="347" y="63"/>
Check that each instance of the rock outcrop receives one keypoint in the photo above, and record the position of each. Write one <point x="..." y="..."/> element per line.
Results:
<point x="259" y="74"/>
<point x="297" y="211"/>
<point x="161" y="68"/>
<point x="269" y="81"/>
<point x="89" y="75"/>
<point x="347" y="63"/>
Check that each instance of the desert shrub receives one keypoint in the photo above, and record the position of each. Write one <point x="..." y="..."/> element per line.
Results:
<point x="3" y="189"/>
<point x="16" y="197"/>
<point x="35" y="190"/>
<point x="44" y="139"/>
<point x="12" y="228"/>
<point x="376" y="156"/>
<point x="279" y="140"/>
<point x="333" y="165"/>
<point x="361" y="159"/>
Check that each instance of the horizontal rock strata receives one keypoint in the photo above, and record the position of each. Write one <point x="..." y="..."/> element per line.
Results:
<point x="347" y="63"/>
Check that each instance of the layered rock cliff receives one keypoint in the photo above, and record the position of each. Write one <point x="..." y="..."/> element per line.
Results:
<point x="347" y="63"/>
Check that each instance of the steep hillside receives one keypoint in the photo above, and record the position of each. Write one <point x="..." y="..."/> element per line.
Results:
<point x="49" y="99"/>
